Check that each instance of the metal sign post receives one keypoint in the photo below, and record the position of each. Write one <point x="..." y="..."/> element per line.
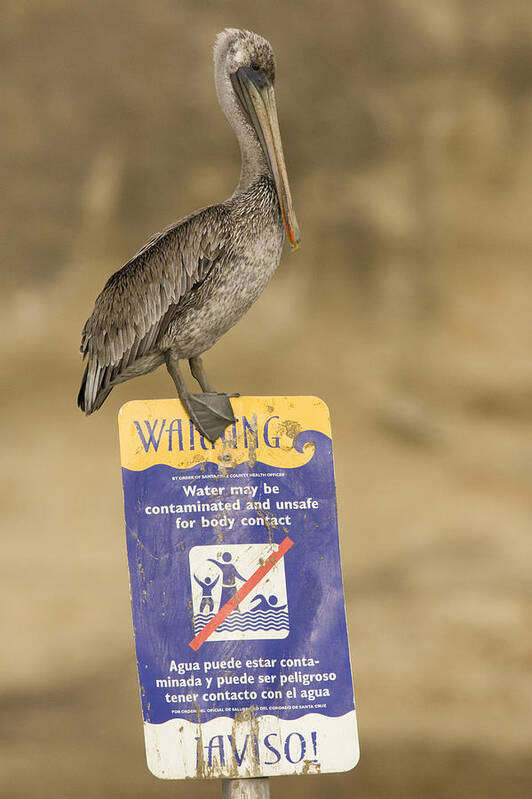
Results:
<point x="253" y="788"/>
<point x="237" y="595"/>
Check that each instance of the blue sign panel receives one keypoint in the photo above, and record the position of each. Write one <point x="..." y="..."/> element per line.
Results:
<point x="236" y="589"/>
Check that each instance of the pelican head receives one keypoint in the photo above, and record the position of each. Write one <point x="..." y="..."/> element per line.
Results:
<point x="244" y="68"/>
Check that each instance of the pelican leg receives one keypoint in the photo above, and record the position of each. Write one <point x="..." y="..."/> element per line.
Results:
<point x="211" y="413"/>
<point x="198" y="373"/>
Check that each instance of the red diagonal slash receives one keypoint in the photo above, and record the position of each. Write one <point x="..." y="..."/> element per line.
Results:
<point x="242" y="592"/>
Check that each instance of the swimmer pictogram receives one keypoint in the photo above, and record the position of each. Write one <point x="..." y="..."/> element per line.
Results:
<point x="251" y="600"/>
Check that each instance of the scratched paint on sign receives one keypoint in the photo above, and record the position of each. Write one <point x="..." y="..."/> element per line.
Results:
<point x="236" y="589"/>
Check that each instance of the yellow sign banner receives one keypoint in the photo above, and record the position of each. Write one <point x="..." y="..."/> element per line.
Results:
<point x="266" y="430"/>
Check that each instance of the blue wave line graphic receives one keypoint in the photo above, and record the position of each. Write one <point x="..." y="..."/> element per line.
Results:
<point x="254" y="620"/>
<point x="245" y="629"/>
<point x="246" y="613"/>
<point x="251" y="620"/>
<point x="247" y="622"/>
<point x="244" y="623"/>
<point x="245" y="626"/>
<point x="253" y="616"/>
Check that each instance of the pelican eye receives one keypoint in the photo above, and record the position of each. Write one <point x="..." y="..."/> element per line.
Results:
<point x="254" y="66"/>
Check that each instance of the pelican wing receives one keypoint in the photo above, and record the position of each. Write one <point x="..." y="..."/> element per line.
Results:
<point x="137" y="302"/>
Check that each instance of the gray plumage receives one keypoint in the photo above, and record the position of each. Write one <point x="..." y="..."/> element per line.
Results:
<point x="191" y="283"/>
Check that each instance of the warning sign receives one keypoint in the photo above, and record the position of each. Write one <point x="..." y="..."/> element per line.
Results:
<point x="236" y="589"/>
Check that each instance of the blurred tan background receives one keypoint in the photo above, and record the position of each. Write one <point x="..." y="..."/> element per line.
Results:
<point x="407" y="127"/>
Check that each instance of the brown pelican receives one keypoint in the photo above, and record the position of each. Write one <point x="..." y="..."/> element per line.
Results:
<point x="191" y="283"/>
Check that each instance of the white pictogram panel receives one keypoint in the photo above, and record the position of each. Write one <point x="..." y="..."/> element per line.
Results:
<point x="218" y="572"/>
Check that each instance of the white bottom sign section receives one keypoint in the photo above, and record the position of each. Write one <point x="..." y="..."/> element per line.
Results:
<point x="248" y="747"/>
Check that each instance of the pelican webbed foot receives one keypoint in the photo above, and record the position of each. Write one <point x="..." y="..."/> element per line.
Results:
<point x="211" y="413"/>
